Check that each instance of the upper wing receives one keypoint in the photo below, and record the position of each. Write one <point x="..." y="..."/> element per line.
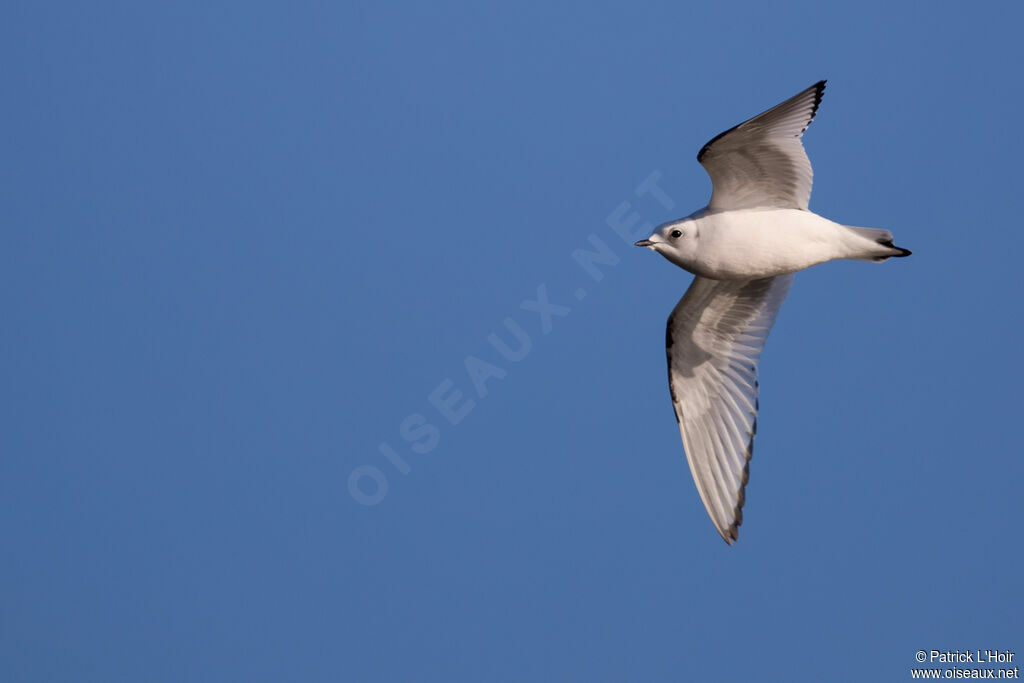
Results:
<point x="714" y="340"/>
<point x="761" y="162"/>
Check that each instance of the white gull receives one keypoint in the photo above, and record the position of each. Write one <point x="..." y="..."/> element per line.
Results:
<point x="743" y="248"/>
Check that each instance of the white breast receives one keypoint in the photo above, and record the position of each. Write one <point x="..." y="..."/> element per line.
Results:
<point x="764" y="242"/>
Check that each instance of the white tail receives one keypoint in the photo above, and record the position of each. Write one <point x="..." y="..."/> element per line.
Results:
<point x="874" y="244"/>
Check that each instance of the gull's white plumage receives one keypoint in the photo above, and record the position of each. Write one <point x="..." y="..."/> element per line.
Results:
<point x="713" y="343"/>
<point x="761" y="162"/>
<point x="744" y="248"/>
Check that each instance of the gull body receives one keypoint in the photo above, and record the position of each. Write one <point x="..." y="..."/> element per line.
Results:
<point x="743" y="249"/>
<point x="756" y="243"/>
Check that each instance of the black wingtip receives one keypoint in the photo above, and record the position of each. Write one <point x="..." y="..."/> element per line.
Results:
<point x="733" y="534"/>
<point x="819" y="92"/>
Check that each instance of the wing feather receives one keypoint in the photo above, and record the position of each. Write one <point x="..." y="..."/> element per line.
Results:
<point x="714" y="340"/>
<point x="762" y="162"/>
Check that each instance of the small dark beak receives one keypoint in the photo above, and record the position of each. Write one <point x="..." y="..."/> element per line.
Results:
<point x="644" y="243"/>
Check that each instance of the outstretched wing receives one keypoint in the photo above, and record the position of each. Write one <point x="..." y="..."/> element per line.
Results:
<point x="714" y="340"/>
<point x="761" y="162"/>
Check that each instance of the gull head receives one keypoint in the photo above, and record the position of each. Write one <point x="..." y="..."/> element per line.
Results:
<point x="676" y="241"/>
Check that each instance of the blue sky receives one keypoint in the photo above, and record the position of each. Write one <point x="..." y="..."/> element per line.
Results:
<point x="245" y="243"/>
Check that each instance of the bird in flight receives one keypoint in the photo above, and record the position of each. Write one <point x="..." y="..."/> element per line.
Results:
<point x="743" y="249"/>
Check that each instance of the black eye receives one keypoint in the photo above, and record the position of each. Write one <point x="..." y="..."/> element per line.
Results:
<point x="676" y="234"/>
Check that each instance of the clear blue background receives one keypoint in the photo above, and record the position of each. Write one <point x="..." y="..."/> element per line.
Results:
<point x="242" y="243"/>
